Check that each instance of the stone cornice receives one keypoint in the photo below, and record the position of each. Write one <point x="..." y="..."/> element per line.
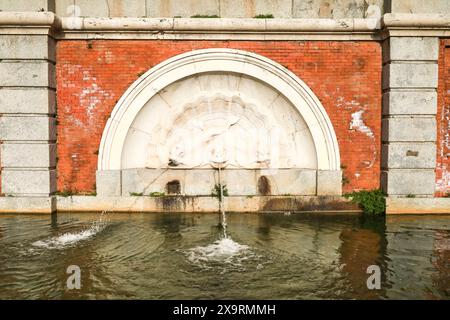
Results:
<point x="224" y="28"/>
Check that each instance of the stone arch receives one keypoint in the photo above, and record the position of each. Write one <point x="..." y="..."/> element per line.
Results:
<point x="227" y="61"/>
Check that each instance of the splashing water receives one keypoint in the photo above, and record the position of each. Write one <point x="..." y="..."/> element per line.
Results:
<point x="71" y="238"/>
<point x="224" y="250"/>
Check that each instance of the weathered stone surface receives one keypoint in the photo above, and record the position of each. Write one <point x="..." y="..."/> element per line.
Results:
<point x="408" y="182"/>
<point x="20" y="101"/>
<point x="408" y="129"/>
<point x="410" y="75"/>
<point x="27" y="47"/>
<point x="420" y="6"/>
<point x="411" y="48"/>
<point x="409" y="155"/>
<point x="26" y="155"/>
<point x="198" y="182"/>
<point x="108" y="183"/>
<point x="409" y="102"/>
<point x="249" y="9"/>
<point x="238" y="182"/>
<point x="30" y="128"/>
<point x="147" y="181"/>
<point x="27" y="5"/>
<point x="182" y="8"/>
<point x="203" y="204"/>
<point x="291" y="181"/>
<point x="27" y="74"/>
<point x="417" y="205"/>
<point x="27" y="205"/>
<point x="329" y="183"/>
<point x="28" y="182"/>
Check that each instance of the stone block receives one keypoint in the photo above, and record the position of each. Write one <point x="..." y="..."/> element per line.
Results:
<point x="417" y="205"/>
<point x="415" y="6"/>
<point x="239" y="182"/>
<point x="411" y="48"/>
<point x="64" y="8"/>
<point x="329" y="182"/>
<point x="182" y="8"/>
<point x="26" y="205"/>
<point x="27" y="47"/>
<point x="108" y="183"/>
<point x="28" y="182"/>
<point x="27" y="74"/>
<point x="409" y="155"/>
<point x="410" y="75"/>
<point x="405" y="182"/>
<point x="146" y="181"/>
<point x="20" y="101"/>
<point x="102" y="8"/>
<point x="27" y="5"/>
<point x="408" y="129"/>
<point x="410" y="102"/>
<point x="26" y="155"/>
<point x="290" y="181"/>
<point x="32" y="128"/>
<point x="199" y="182"/>
<point x="249" y="9"/>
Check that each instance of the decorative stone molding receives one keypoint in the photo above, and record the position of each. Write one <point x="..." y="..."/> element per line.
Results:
<point x="219" y="60"/>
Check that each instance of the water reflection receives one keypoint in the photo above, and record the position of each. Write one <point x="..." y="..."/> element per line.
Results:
<point x="269" y="256"/>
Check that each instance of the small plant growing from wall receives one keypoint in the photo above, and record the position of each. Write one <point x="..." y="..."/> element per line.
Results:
<point x="205" y="16"/>
<point x="136" y="194"/>
<point x="157" y="194"/>
<point x="372" y="202"/>
<point x="264" y="16"/>
<point x="216" y="191"/>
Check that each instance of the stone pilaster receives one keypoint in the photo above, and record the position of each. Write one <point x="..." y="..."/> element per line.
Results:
<point x="27" y="108"/>
<point x="410" y="78"/>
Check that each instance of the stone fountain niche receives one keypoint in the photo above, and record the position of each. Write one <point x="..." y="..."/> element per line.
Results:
<point x="170" y="136"/>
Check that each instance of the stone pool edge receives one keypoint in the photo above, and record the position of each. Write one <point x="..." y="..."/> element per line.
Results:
<point x="196" y="204"/>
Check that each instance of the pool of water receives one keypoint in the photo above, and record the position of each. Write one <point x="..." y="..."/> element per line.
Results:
<point x="183" y="256"/>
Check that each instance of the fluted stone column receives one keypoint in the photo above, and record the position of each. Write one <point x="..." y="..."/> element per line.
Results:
<point x="27" y="107"/>
<point x="410" y="78"/>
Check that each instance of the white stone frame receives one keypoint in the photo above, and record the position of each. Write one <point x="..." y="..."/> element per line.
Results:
<point x="218" y="60"/>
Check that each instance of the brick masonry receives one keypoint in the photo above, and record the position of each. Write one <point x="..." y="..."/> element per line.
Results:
<point x="92" y="75"/>
<point x="443" y="123"/>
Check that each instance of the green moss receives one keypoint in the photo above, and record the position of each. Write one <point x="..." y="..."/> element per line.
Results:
<point x="216" y="191"/>
<point x="372" y="202"/>
<point x="205" y="16"/>
<point x="157" y="194"/>
<point x="136" y="194"/>
<point x="410" y="196"/>
<point x="264" y="16"/>
<point x="64" y="193"/>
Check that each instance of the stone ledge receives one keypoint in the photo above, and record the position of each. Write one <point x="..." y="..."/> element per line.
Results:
<point x="205" y="204"/>
<point x="26" y="205"/>
<point x="418" y="206"/>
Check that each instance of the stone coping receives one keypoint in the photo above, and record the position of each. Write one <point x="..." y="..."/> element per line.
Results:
<point x="270" y="27"/>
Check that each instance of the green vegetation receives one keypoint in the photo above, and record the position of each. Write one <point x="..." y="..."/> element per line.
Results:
<point x="216" y="191"/>
<point x="157" y="194"/>
<point x="136" y="194"/>
<point x="371" y="202"/>
<point x="64" y="193"/>
<point x="264" y="16"/>
<point x="205" y="16"/>
<point x="410" y="195"/>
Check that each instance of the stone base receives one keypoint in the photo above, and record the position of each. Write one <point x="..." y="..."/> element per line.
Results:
<point x="39" y="205"/>
<point x="47" y="205"/>
<point x="205" y="204"/>
<point x="418" y="206"/>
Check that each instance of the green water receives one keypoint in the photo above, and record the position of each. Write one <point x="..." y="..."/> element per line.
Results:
<point x="267" y="256"/>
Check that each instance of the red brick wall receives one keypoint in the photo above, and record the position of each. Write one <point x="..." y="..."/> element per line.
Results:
<point x="91" y="77"/>
<point x="443" y="123"/>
